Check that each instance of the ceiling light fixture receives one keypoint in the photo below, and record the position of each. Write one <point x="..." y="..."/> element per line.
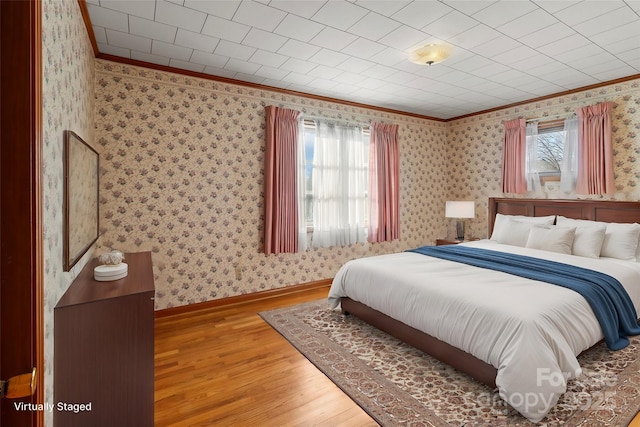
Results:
<point x="429" y="54"/>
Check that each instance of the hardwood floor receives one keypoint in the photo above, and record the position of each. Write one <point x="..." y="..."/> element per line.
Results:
<point x="225" y="366"/>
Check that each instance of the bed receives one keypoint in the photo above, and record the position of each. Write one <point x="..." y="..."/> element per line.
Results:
<point x="518" y="334"/>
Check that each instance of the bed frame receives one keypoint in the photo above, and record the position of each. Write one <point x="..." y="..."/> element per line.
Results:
<point x="595" y="210"/>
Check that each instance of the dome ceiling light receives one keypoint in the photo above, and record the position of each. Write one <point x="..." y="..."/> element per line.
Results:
<point x="429" y="54"/>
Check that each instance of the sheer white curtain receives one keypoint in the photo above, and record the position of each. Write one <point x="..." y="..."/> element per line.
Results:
<point x="531" y="163"/>
<point x="301" y="189"/>
<point x="339" y="185"/>
<point x="569" y="167"/>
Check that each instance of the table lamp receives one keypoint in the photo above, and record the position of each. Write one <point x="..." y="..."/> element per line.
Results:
<point x="459" y="210"/>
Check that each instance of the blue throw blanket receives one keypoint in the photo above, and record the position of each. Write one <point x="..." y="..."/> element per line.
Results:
<point x="606" y="296"/>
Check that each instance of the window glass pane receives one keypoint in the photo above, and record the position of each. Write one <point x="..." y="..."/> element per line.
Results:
<point x="550" y="149"/>
<point x="309" y="138"/>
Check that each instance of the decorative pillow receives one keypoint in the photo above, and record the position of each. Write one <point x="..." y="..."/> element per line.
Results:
<point x="588" y="240"/>
<point x="551" y="238"/>
<point x="501" y="229"/>
<point x="620" y="240"/>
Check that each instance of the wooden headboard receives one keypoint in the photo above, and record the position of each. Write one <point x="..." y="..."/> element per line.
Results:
<point x="594" y="210"/>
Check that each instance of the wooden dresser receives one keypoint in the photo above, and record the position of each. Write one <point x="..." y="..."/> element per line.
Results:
<point x="104" y="349"/>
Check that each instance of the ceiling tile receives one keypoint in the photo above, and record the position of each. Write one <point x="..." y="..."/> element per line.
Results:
<point x="209" y="59"/>
<point x="223" y="9"/>
<point x="234" y="50"/>
<point x="298" y="28"/>
<point x="515" y="55"/>
<point x="497" y="46"/>
<point x="297" y="78"/>
<point x="269" y="59"/>
<point x="148" y="57"/>
<point x="404" y="37"/>
<point x="115" y="50"/>
<point x="223" y="29"/>
<point x="324" y="72"/>
<point x="469" y="7"/>
<point x="384" y="7"/>
<point x="339" y="14"/>
<point x="563" y="45"/>
<point x="298" y="66"/>
<point x="501" y="12"/>
<point x="298" y="49"/>
<point x="373" y="26"/>
<point x="196" y="40"/>
<point x="547" y="35"/>
<point x="305" y="9"/>
<point x="241" y="66"/>
<point x="172" y="14"/>
<point x="142" y="8"/>
<point x="185" y="65"/>
<point x="606" y="22"/>
<point x="363" y="48"/>
<point x="379" y="71"/>
<point x="271" y="72"/>
<point x="417" y="14"/>
<point x="333" y="39"/>
<point x="258" y="15"/>
<point x="151" y="29"/>
<point x="355" y="65"/>
<point x="229" y="74"/>
<point x="129" y="41"/>
<point x="170" y="50"/>
<point x="322" y="84"/>
<point x="480" y="34"/>
<point x="554" y="6"/>
<point x="329" y="57"/>
<point x="623" y="32"/>
<point x="101" y="35"/>
<point x="581" y="12"/>
<point x="527" y="24"/>
<point x="108" y="18"/>
<point x="450" y="25"/>
<point x="389" y="57"/>
<point x="264" y="40"/>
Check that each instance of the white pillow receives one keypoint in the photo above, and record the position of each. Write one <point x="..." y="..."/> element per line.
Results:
<point x="514" y="233"/>
<point x="551" y="238"/>
<point x="620" y="240"/>
<point x="588" y="240"/>
<point x="501" y="229"/>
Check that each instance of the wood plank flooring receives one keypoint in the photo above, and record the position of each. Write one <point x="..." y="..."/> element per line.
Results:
<point x="225" y="366"/>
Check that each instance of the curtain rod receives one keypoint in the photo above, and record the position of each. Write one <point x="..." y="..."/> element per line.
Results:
<point x="337" y="121"/>
<point x="550" y="118"/>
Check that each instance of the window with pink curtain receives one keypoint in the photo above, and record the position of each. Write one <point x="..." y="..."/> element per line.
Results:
<point x="384" y="183"/>
<point x="514" y="157"/>
<point x="280" y="170"/>
<point x="595" y="150"/>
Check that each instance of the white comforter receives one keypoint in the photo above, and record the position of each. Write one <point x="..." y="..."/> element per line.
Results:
<point x="530" y="331"/>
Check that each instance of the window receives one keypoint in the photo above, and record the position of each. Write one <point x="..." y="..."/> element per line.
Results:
<point x="336" y="183"/>
<point x="551" y="138"/>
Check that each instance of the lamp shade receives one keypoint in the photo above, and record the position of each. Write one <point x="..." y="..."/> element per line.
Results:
<point x="429" y="54"/>
<point x="460" y="209"/>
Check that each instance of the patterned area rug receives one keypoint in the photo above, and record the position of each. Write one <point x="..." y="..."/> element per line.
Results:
<point x="399" y="385"/>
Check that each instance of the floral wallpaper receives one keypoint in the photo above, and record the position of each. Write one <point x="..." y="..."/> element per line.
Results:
<point x="68" y="103"/>
<point x="475" y="147"/>
<point x="182" y="167"/>
<point x="182" y="176"/>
